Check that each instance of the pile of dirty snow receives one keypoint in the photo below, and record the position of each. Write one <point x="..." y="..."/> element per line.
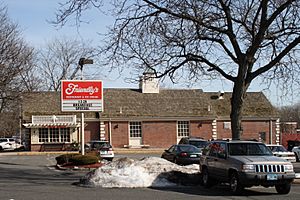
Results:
<point x="147" y="172"/>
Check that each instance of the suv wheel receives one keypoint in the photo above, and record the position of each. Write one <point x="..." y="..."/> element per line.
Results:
<point x="206" y="180"/>
<point x="235" y="186"/>
<point x="283" y="188"/>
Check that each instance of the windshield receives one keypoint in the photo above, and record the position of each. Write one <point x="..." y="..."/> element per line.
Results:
<point x="250" y="149"/>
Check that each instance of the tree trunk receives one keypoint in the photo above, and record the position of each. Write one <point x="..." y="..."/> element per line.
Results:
<point x="237" y="101"/>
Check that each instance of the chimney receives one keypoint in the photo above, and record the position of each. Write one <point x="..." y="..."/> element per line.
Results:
<point x="148" y="83"/>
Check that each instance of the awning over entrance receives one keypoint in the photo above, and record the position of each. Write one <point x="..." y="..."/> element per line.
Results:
<point x="52" y="125"/>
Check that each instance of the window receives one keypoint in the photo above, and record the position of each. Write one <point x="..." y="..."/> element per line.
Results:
<point x="262" y="136"/>
<point x="43" y="134"/>
<point x="227" y="125"/>
<point x="65" y="135"/>
<point x="53" y="135"/>
<point x="135" y="129"/>
<point x="183" y="128"/>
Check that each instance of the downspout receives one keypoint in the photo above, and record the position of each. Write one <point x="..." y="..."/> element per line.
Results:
<point x="271" y="132"/>
<point x="109" y="132"/>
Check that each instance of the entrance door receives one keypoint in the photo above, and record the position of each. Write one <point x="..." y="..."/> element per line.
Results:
<point x="135" y="134"/>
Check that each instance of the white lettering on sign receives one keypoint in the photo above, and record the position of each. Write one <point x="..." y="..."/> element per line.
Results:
<point x="73" y="88"/>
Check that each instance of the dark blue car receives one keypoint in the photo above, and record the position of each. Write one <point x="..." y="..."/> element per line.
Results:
<point x="182" y="154"/>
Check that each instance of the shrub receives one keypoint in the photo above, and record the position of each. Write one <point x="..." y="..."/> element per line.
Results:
<point x="83" y="159"/>
<point x="65" y="158"/>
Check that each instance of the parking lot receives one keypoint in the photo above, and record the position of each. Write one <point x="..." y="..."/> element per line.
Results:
<point x="34" y="177"/>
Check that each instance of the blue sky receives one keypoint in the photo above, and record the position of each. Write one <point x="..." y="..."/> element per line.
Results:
<point x="32" y="17"/>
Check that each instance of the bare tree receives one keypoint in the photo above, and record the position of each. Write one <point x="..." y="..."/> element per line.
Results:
<point x="239" y="40"/>
<point x="16" y="73"/>
<point x="59" y="60"/>
<point x="290" y="113"/>
<point x="15" y="58"/>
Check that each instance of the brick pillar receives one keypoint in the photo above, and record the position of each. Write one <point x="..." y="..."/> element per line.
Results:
<point x="102" y="130"/>
<point x="277" y="132"/>
<point x="214" y="129"/>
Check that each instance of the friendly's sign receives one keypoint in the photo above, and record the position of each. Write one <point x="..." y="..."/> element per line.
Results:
<point x="81" y="95"/>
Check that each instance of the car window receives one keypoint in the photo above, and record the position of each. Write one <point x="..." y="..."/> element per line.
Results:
<point x="279" y="149"/>
<point x="188" y="149"/>
<point x="172" y="148"/>
<point x="3" y="140"/>
<point x="199" y="144"/>
<point x="99" y="145"/>
<point x="254" y="149"/>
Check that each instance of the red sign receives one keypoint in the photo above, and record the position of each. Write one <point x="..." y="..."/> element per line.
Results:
<point x="83" y="90"/>
<point x="81" y="95"/>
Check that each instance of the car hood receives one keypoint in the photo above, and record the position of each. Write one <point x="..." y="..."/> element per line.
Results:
<point x="260" y="159"/>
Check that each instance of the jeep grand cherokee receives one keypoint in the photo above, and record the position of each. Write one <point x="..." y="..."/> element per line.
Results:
<point x="245" y="164"/>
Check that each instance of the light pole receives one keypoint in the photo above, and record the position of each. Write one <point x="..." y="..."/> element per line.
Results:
<point x="83" y="61"/>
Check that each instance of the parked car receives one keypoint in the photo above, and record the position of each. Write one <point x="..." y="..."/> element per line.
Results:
<point x="198" y="142"/>
<point x="182" y="154"/>
<point x="245" y="164"/>
<point x="103" y="147"/>
<point x="9" y="144"/>
<point x="281" y="151"/>
<point x="296" y="150"/>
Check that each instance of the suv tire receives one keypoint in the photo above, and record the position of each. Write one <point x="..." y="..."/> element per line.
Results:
<point x="206" y="180"/>
<point x="283" y="188"/>
<point x="235" y="186"/>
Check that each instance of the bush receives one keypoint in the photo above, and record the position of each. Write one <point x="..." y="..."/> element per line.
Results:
<point x="84" y="159"/>
<point x="76" y="159"/>
<point x="65" y="158"/>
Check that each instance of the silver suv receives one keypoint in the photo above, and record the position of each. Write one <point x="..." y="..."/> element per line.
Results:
<point x="244" y="164"/>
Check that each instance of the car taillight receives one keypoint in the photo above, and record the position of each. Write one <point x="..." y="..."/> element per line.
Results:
<point x="183" y="154"/>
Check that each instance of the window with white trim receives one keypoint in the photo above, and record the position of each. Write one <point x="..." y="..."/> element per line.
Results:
<point x="53" y="135"/>
<point x="43" y="134"/>
<point x="183" y="128"/>
<point x="135" y="129"/>
<point x="65" y="135"/>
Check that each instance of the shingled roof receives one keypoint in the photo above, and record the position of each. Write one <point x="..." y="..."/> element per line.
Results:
<point x="168" y="103"/>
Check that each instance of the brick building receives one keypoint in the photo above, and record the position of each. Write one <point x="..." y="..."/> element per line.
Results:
<point x="147" y="117"/>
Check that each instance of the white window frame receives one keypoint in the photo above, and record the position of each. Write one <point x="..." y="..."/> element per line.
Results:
<point x="54" y="135"/>
<point x="183" y="128"/>
<point x="135" y="129"/>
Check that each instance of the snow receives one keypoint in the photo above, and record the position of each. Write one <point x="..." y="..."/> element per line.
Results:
<point x="147" y="172"/>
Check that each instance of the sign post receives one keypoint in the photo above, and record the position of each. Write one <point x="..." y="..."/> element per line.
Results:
<point x="81" y="96"/>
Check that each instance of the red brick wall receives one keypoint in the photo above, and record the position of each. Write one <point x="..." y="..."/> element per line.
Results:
<point x="251" y="130"/>
<point x="163" y="134"/>
<point x="201" y="129"/>
<point x="159" y="134"/>
<point x="119" y="133"/>
<point x="289" y="136"/>
<point x="93" y="131"/>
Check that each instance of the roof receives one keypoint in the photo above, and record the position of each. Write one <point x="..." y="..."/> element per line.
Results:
<point x="168" y="103"/>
